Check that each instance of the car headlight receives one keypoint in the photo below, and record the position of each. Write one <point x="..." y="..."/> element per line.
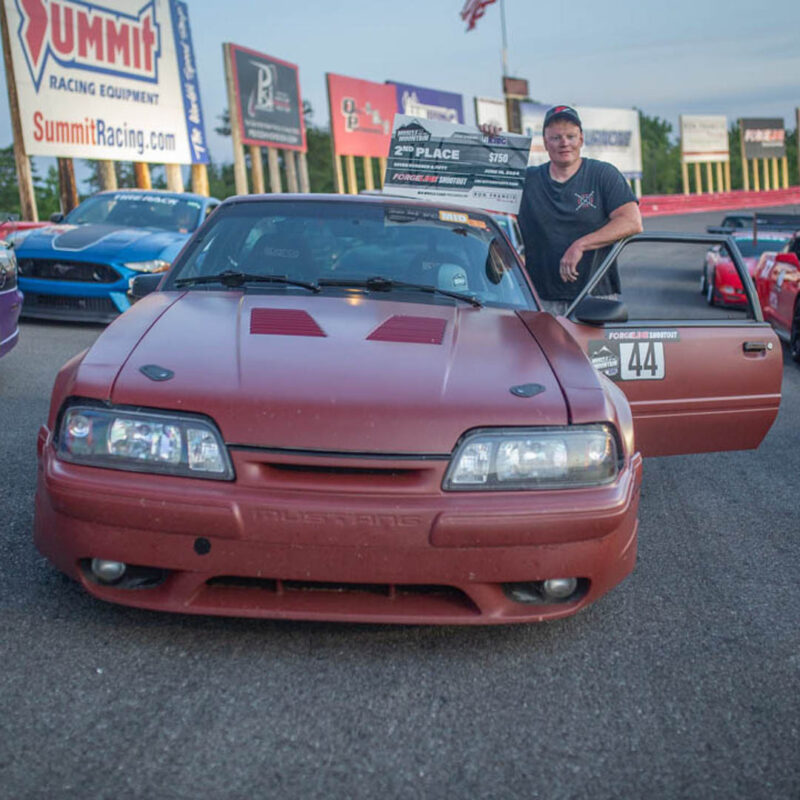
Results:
<point x="156" y="265"/>
<point x="8" y="271"/>
<point x="504" y="459"/>
<point x="143" y="441"/>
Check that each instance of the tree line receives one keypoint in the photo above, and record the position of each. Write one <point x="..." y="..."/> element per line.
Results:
<point x="661" y="165"/>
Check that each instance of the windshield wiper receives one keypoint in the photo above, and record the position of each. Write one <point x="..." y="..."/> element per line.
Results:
<point x="381" y="284"/>
<point x="233" y="279"/>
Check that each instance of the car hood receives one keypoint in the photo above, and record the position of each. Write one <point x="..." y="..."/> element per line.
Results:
<point x="331" y="374"/>
<point x="101" y="242"/>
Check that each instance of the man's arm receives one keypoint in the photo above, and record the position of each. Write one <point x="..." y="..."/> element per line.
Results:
<point x="623" y="221"/>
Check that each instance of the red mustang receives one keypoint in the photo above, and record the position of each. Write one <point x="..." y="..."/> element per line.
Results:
<point x="352" y="409"/>
<point x="720" y="282"/>
<point x="778" y="286"/>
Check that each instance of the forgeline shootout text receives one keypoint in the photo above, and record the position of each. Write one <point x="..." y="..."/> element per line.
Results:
<point x="99" y="133"/>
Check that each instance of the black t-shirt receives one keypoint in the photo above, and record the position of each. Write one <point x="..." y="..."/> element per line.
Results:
<point x="553" y="215"/>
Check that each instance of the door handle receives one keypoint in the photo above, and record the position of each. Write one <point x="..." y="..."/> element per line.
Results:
<point x="756" y="347"/>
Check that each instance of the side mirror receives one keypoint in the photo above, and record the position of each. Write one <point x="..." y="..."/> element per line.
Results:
<point x="142" y="285"/>
<point x="599" y="311"/>
<point x="788" y="258"/>
<point x="57" y="217"/>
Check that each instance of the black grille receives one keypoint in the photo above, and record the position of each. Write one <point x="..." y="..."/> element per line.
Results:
<point x="63" y="302"/>
<point x="54" y="269"/>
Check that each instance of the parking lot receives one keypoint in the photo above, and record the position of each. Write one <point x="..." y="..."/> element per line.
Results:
<point x="682" y="682"/>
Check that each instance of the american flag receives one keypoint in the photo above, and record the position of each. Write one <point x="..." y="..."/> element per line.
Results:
<point x="473" y="10"/>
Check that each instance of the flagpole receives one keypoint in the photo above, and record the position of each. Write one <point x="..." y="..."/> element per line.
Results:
<point x="505" y="39"/>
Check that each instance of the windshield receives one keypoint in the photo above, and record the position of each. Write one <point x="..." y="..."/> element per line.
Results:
<point x="336" y="243"/>
<point x="750" y="249"/>
<point x="138" y="210"/>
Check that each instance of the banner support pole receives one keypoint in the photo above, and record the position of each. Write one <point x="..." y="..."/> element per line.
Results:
<point x="67" y="188"/>
<point x="174" y="175"/>
<point x="141" y="172"/>
<point x="274" y="171"/>
<point x="200" y="180"/>
<point x="239" y="166"/>
<point x="27" y="196"/>
<point x="256" y="169"/>
<point x="291" y="171"/>
<point x="305" y="184"/>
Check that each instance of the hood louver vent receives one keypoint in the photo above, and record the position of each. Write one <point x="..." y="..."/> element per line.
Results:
<point x="283" y="322"/>
<point x="414" y="330"/>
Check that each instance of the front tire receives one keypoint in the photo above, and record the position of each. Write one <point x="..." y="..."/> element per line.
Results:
<point x="710" y="290"/>
<point x="794" y="338"/>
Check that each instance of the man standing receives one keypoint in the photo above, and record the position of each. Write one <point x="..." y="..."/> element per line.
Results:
<point x="572" y="210"/>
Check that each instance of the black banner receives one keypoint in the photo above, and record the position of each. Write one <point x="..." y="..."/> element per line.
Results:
<point x="763" y="138"/>
<point x="268" y="93"/>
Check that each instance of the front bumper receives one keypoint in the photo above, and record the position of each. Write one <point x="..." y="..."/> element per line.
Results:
<point x="10" y="305"/>
<point x="396" y="551"/>
<point x="77" y="301"/>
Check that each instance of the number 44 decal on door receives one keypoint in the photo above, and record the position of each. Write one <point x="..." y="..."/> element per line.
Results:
<point x="632" y="355"/>
<point x="641" y="361"/>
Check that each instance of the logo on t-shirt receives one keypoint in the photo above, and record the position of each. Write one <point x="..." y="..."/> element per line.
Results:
<point x="585" y="201"/>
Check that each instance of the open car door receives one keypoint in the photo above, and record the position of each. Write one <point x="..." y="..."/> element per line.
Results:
<point x="701" y="373"/>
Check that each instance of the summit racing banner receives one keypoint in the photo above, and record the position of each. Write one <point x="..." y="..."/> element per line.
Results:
<point x="110" y="80"/>
<point x="433" y="160"/>
<point x="609" y="134"/>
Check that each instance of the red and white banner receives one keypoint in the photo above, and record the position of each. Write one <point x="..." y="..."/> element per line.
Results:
<point x="362" y="113"/>
<point x="112" y="79"/>
<point x="704" y="138"/>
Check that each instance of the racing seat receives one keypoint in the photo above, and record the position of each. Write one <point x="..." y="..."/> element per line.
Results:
<point x="281" y="254"/>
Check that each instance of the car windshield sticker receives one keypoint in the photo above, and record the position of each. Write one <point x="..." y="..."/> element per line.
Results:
<point x="461" y="219"/>
<point x="628" y="361"/>
<point x="147" y="198"/>
<point x="605" y="357"/>
<point x="663" y="335"/>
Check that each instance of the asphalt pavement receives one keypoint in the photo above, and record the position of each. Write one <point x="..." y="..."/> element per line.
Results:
<point x="684" y="682"/>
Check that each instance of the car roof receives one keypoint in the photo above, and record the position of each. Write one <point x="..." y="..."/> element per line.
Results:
<point x="356" y="199"/>
<point x="762" y="234"/>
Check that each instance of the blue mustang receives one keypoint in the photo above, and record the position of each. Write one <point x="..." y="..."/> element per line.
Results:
<point x="80" y="268"/>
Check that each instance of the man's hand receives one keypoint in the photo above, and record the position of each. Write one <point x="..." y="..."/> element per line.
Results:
<point x="568" y="266"/>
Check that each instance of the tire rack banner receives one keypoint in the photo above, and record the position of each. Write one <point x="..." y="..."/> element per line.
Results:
<point x="489" y="111"/>
<point x="269" y="100"/>
<point x="703" y="139"/>
<point x="361" y="116"/>
<point x="432" y="160"/>
<point x="609" y="134"/>
<point x="417" y="101"/>
<point x="763" y="138"/>
<point x="115" y="80"/>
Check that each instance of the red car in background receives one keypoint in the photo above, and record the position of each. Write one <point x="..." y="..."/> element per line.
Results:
<point x="778" y="285"/>
<point x="720" y="283"/>
<point x="9" y="226"/>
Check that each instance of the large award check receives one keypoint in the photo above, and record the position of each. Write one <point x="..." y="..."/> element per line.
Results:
<point x="442" y="161"/>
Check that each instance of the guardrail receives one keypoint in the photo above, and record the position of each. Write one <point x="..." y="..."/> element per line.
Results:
<point x="655" y="205"/>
